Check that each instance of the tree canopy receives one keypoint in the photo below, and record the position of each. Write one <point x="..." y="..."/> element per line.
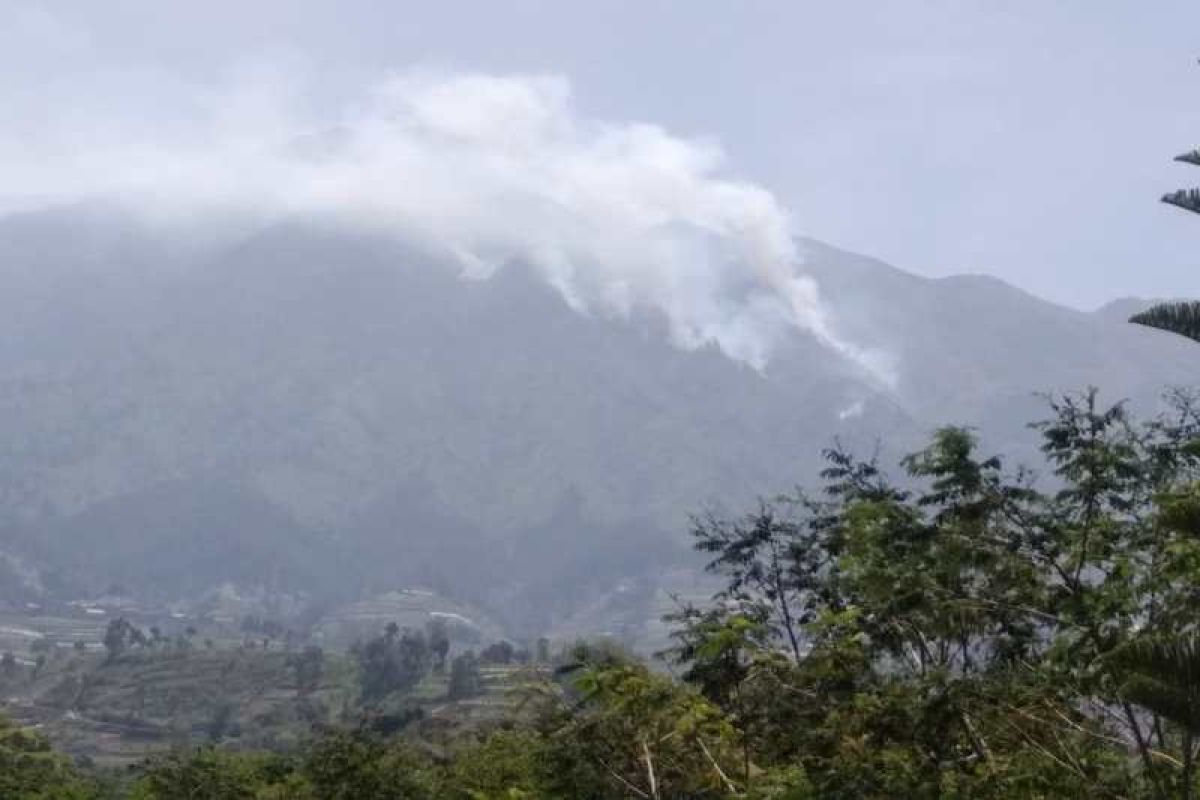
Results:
<point x="964" y="630"/>
<point x="1181" y="317"/>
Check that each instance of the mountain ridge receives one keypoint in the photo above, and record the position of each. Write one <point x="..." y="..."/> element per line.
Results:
<point x="479" y="436"/>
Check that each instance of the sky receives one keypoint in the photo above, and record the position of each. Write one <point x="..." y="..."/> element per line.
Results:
<point x="1027" y="140"/>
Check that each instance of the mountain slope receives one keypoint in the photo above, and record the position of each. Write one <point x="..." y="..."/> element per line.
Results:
<point x="975" y="350"/>
<point x="337" y="414"/>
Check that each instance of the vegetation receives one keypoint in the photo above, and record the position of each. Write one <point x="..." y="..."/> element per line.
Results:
<point x="1182" y="318"/>
<point x="30" y="770"/>
<point x="960" y="633"/>
<point x="464" y="676"/>
<point x="391" y="663"/>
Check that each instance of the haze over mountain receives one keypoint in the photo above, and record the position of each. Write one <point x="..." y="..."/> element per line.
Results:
<point x="455" y="334"/>
<point x="598" y="400"/>
<point x="327" y="413"/>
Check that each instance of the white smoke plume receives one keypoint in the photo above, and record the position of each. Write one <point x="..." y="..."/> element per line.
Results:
<point x="484" y="169"/>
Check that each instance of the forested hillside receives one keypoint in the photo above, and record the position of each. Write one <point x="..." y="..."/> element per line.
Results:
<point x="327" y="415"/>
<point x="971" y="633"/>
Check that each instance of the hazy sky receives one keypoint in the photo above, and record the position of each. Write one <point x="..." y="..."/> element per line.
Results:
<point x="1029" y="140"/>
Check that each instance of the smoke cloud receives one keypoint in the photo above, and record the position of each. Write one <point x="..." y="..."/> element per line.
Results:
<point x="618" y="217"/>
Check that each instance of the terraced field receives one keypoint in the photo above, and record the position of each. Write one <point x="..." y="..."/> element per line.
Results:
<point x="408" y="608"/>
<point x="117" y="713"/>
<point x="18" y="632"/>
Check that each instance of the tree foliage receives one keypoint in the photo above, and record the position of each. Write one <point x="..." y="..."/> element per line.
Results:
<point x="393" y="662"/>
<point x="1181" y="317"/>
<point x="31" y="770"/>
<point x="966" y="631"/>
<point x="465" y="679"/>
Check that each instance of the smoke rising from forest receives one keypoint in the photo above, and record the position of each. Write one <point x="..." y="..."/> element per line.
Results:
<point x="619" y="217"/>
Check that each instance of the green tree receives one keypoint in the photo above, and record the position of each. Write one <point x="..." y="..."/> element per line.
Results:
<point x="501" y="652"/>
<point x="211" y="774"/>
<point x="345" y="766"/>
<point x="394" y="662"/>
<point x="506" y="765"/>
<point x="954" y="638"/>
<point x="438" y="636"/>
<point x="1162" y="675"/>
<point x="1182" y="318"/>
<point x="618" y="730"/>
<point x="465" y="680"/>
<point x="30" y="770"/>
<point x="119" y="636"/>
<point x="307" y="667"/>
<point x="8" y="665"/>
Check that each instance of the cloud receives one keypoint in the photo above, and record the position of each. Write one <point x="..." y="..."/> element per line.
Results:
<point x="619" y="217"/>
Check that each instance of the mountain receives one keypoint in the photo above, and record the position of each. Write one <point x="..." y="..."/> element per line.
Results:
<point x="972" y="349"/>
<point x="1121" y="309"/>
<point x="336" y="415"/>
